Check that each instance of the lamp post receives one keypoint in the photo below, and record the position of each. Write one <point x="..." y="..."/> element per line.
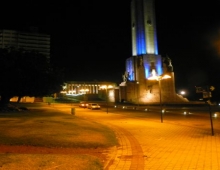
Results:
<point x="106" y="99"/>
<point x="161" y="109"/>
<point x="106" y="96"/>
<point x="106" y="87"/>
<point x="138" y="93"/>
<point x="159" y="78"/>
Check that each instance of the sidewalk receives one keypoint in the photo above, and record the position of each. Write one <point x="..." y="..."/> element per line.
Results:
<point x="179" y="143"/>
<point x="187" y="144"/>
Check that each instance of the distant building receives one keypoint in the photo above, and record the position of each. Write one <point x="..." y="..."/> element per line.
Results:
<point x="91" y="90"/>
<point x="27" y="40"/>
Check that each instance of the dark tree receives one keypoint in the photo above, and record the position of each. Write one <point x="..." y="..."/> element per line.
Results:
<point x="26" y="73"/>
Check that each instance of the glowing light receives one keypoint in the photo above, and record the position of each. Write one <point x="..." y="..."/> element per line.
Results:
<point x="155" y="77"/>
<point x="140" y="41"/>
<point x="185" y="112"/>
<point x="71" y="91"/>
<point x="156" y="46"/>
<point x="157" y="63"/>
<point x="111" y="94"/>
<point x="84" y="90"/>
<point x="166" y="77"/>
<point x="106" y="87"/>
<point x="215" y="114"/>
<point x="103" y="87"/>
<point x="64" y="87"/>
<point x="182" y="92"/>
<point x="147" y="72"/>
<point x="141" y="45"/>
<point x="130" y="68"/>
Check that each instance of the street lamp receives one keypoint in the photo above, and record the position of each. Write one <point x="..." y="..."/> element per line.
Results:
<point x="159" y="78"/>
<point x="107" y="99"/>
<point x="106" y="96"/>
<point x="182" y="92"/>
<point x="138" y="93"/>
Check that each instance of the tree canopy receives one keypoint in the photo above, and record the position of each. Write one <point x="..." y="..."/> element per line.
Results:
<point x="27" y="73"/>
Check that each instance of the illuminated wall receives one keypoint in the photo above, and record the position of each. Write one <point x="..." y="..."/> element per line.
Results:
<point x="130" y="63"/>
<point x="150" y="62"/>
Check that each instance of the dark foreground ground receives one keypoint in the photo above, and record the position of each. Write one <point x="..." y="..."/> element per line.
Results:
<point x="38" y="136"/>
<point x="121" y="138"/>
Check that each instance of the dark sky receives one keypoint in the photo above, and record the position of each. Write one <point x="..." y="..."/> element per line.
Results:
<point x="92" y="40"/>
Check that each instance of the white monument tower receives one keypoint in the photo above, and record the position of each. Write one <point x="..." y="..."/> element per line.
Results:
<point x="137" y="85"/>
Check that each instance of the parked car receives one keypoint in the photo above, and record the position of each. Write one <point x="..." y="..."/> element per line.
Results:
<point x="83" y="104"/>
<point x="93" y="106"/>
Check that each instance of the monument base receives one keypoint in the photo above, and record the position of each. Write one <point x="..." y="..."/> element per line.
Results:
<point x="151" y="91"/>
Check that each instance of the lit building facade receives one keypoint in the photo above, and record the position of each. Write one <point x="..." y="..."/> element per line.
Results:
<point x="91" y="89"/>
<point x="26" y="40"/>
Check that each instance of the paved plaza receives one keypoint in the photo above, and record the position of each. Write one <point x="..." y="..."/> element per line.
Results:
<point x="184" y="140"/>
<point x="181" y="142"/>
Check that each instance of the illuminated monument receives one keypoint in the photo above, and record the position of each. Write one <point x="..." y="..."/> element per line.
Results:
<point x="145" y="63"/>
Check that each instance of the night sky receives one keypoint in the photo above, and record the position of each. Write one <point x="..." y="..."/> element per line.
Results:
<point x="92" y="40"/>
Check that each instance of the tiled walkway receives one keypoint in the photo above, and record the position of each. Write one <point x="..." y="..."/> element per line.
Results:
<point x="181" y="142"/>
<point x="186" y="144"/>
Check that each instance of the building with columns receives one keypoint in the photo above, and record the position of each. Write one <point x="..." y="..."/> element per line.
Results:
<point x="91" y="90"/>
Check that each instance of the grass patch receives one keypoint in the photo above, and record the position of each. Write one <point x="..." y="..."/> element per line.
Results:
<point x="44" y="128"/>
<point x="48" y="161"/>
